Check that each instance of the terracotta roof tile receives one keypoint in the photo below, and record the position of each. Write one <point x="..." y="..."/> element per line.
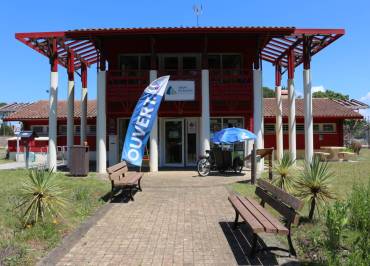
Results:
<point x="40" y="110"/>
<point x="322" y="107"/>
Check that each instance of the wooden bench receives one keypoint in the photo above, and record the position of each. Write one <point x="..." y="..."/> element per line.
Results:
<point x="120" y="177"/>
<point x="345" y="155"/>
<point x="322" y="155"/>
<point x="259" y="220"/>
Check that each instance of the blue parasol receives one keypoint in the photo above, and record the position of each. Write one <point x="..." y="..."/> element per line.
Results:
<point x="232" y="135"/>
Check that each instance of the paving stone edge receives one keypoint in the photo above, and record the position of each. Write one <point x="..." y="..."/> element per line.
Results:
<point x="53" y="257"/>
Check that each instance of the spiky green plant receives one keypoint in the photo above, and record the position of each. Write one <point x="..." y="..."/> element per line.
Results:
<point x="283" y="169"/>
<point x="314" y="184"/>
<point x="41" y="196"/>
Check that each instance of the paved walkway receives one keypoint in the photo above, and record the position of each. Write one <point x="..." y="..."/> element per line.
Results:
<point x="21" y="165"/>
<point x="178" y="219"/>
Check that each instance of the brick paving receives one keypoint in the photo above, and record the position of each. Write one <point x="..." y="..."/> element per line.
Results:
<point x="178" y="219"/>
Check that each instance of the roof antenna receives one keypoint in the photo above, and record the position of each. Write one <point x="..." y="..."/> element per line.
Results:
<point x="198" y="10"/>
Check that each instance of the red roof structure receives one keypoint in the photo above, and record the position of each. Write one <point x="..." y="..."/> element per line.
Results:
<point x="277" y="42"/>
<point x="40" y="110"/>
<point x="322" y="107"/>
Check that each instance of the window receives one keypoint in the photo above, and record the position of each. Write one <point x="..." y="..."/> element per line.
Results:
<point x="91" y="129"/>
<point x="216" y="125"/>
<point x="269" y="128"/>
<point x="129" y="62"/>
<point x="300" y="128"/>
<point x="77" y="130"/>
<point x="132" y="64"/>
<point x="41" y="131"/>
<point x="214" y="61"/>
<point x="171" y="62"/>
<point x="219" y="123"/>
<point x="144" y="62"/>
<point x="224" y="61"/>
<point x="328" y="128"/>
<point x="189" y="62"/>
<point x="232" y="122"/>
<point x="62" y="130"/>
<point x="231" y="61"/>
<point x="316" y="127"/>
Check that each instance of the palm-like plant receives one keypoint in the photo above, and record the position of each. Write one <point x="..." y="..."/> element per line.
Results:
<point x="314" y="184"/>
<point x="41" y="195"/>
<point x="283" y="169"/>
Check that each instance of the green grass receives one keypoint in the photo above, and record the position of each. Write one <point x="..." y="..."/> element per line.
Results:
<point x="308" y="237"/>
<point x="2" y="156"/>
<point x="19" y="246"/>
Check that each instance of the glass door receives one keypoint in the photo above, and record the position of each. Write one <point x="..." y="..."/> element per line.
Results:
<point x="174" y="142"/>
<point x="191" y="141"/>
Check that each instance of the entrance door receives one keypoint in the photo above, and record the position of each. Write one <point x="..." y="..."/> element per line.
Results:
<point x="191" y="141"/>
<point x="174" y="142"/>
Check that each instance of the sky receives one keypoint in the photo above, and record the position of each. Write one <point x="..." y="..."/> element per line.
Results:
<point x="344" y="66"/>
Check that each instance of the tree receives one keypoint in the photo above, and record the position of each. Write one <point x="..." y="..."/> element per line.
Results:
<point x="314" y="184"/>
<point x="330" y="94"/>
<point x="268" y="93"/>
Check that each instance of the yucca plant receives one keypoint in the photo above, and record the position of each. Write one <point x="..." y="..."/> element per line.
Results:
<point x="314" y="184"/>
<point x="41" y="196"/>
<point x="283" y="169"/>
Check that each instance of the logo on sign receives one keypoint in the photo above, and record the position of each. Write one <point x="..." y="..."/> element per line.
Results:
<point x="171" y="91"/>
<point x="180" y="90"/>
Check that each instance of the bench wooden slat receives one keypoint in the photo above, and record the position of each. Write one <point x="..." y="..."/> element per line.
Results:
<point x="281" y="229"/>
<point x="281" y="194"/>
<point x="117" y="174"/>
<point x="117" y="166"/>
<point x="133" y="177"/>
<point x="269" y="227"/>
<point x="279" y="206"/>
<point x="246" y="215"/>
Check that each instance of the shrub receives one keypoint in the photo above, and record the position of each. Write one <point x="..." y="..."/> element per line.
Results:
<point x="41" y="196"/>
<point x="356" y="146"/>
<point x="359" y="201"/>
<point x="359" y="219"/>
<point x="314" y="184"/>
<point x="283" y="169"/>
<point x="336" y="220"/>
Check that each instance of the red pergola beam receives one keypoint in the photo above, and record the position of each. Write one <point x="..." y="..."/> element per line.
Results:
<point x="281" y="40"/>
<point x="319" y="31"/>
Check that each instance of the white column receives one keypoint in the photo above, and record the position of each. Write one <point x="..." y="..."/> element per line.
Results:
<point x="101" y="148"/>
<point x="83" y="125"/>
<point x="70" y="118"/>
<point x="205" y="117"/>
<point x="279" y="124"/>
<point x="308" y="120"/>
<point x="292" y="120"/>
<point x="53" y="100"/>
<point x="153" y="153"/>
<point x="258" y="114"/>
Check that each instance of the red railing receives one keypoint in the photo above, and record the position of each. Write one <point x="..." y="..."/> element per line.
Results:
<point x="230" y="84"/>
<point x="126" y="84"/>
<point x="226" y="86"/>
